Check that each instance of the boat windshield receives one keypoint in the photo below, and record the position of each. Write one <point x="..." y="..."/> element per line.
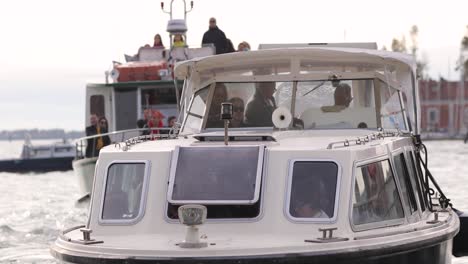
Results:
<point x="318" y="104"/>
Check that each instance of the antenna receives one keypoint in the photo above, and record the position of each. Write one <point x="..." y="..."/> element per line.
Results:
<point x="170" y="9"/>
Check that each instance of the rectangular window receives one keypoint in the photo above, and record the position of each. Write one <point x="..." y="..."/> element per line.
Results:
<point x="216" y="175"/>
<point x="375" y="196"/>
<point x="124" y="192"/>
<point x="312" y="190"/>
<point x="96" y="103"/>
<point x="405" y="182"/>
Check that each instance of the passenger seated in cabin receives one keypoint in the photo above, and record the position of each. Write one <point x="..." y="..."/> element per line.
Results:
<point x="260" y="109"/>
<point x="243" y="46"/>
<point x="214" y="115"/>
<point x="237" y="112"/>
<point x="178" y="41"/>
<point x="158" y="42"/>
<point x="342" y="97"/>
<point x="306" y="201"/>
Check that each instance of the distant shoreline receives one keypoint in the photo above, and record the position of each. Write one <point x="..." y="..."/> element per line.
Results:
<point x="21" y="134"/>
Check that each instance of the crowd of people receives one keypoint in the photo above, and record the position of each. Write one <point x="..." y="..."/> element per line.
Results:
<point x="213" y="35"/>
<point x="151" y="123"/>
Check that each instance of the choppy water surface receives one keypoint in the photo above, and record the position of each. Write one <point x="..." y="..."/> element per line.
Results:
<point x="35" y="207"/>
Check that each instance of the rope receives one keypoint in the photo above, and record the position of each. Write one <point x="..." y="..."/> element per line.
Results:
<point x="443" y="200"/>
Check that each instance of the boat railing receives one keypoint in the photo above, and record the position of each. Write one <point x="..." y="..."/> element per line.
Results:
<point x="86" y="147"/>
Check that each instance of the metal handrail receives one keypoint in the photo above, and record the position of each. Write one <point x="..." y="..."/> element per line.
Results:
<point x="82" y="143"/>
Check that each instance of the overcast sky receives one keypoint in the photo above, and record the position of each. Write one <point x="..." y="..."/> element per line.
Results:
<point x="51" y="48"/>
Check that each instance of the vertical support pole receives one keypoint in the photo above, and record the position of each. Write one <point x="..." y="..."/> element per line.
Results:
<point x="226" y="127"/>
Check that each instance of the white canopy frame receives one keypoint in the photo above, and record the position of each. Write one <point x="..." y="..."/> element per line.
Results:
<point x="395" y="69"/>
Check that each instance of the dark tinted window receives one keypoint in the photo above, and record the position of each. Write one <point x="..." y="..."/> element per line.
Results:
<point x="405" y="182"/>
<point x="123" y="193"/>
<point x="217" y="174"/>
<point x="97" y="105"/>
<point x="313" y="189"/>
<point x="417" y="178"/>
<point x="375" y="196"/>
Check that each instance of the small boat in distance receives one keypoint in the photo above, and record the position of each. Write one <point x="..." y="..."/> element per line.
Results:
<point x="57" y="156"/>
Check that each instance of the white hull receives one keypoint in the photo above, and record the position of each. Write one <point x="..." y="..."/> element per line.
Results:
<point x="84" y="171"/>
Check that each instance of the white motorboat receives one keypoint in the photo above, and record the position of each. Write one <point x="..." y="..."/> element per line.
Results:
<point x="288" y="155"/>
<point x="144" y="82"/>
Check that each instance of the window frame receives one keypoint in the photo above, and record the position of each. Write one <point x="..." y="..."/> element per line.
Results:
<point x="411" y="157"/>
<point x="412" y="217"/>
<point x="144" y="194"/>
<point x="188" y="112"/>
<point x="258" y="179"/>
<point x="287" y="199"/>
<point x="380" y="224"/>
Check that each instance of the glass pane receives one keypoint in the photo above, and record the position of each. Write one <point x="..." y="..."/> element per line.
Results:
<point x="97" y="105"/>
<point x="391" y="110"/>
<point x="214" y="174"/>
<point x="196" y="112"/>
<point x="318" y="104"/>
<point x="124" y="186"/>
<point x="313" y="189"/>
<point x="405" y="182"/>
<point x="239" y="94"/>
<point x="375" y="196"/>
<point x="336" y="105"/>
<point x="417" y="180"/>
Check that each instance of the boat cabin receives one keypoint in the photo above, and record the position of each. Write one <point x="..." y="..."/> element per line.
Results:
<point x="293" y="155"/>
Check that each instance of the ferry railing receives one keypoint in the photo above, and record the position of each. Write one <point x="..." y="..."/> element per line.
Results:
<point x="86" y="146"/>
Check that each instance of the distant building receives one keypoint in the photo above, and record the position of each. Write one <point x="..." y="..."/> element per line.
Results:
<point x="444" y="107"/>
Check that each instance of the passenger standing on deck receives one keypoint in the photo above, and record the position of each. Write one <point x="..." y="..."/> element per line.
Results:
<point x="158" y="42"/>
<point x="95" y="144"/>
<point x="91" y="131"/>
<point x="243" y="46"/>
<point x="230" y="46"/>
<point x="103" y="129"/>
<point x="179" y="41"/>
<point x="215" y="36"/>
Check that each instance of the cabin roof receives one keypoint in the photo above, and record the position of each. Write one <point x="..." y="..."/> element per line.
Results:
<point x="321" y="54"/>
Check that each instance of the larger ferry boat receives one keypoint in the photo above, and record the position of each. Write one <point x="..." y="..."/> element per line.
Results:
<point x="144" y="82"/>
<point x="287" y="155"/>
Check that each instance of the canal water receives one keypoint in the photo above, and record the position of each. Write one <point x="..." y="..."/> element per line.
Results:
<point x="35" y="207"/>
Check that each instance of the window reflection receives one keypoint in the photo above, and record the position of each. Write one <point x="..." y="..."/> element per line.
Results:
<point x="313" y="189"/>
<point x="123" y="191"/>
<point x="375" y="196"/>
